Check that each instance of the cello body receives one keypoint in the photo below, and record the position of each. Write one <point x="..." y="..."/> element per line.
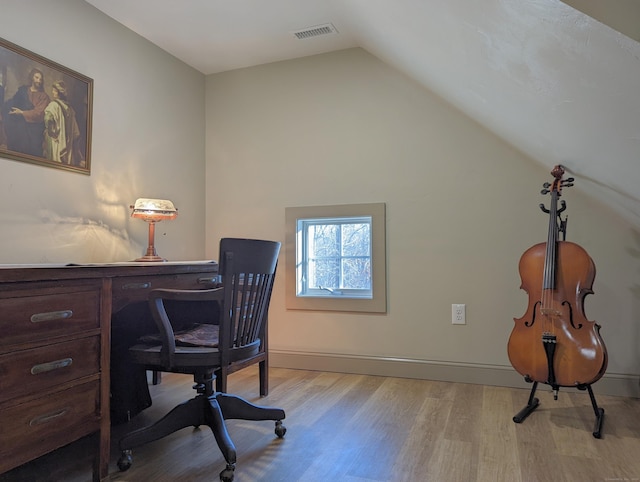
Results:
<point x="580" y="355"/>
<point x="554" y="342"/>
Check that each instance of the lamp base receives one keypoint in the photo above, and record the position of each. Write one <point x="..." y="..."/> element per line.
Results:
<point x="152" y="258"/>
<point x="151" y="255"/>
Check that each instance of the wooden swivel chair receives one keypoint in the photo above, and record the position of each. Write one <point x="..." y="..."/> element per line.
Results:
<point x="247" y="269"/>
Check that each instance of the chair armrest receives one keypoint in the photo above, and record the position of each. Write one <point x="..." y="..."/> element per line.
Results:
<point x="160" y="316"/>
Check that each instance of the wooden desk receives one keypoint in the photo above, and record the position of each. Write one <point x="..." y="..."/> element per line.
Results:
<point x="54" y="349"/>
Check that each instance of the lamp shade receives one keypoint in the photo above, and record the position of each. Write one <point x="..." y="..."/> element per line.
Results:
<point x="153" y="209"/>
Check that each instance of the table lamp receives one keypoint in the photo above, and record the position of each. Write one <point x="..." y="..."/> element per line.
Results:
<point x="153" y="211"/>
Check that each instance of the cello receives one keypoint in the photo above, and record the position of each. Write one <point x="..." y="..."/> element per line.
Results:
<point x="553" y="342"/>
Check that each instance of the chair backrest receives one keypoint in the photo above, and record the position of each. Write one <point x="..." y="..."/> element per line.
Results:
<point x="247" y="268"/>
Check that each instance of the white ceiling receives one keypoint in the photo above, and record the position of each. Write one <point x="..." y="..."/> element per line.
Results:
<point x="552" y="81"/>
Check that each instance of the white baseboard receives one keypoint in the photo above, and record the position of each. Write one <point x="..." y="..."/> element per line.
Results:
<point x="497" y="375"/>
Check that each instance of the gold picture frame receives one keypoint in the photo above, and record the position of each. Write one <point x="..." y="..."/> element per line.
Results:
<point x="45" y="111"/>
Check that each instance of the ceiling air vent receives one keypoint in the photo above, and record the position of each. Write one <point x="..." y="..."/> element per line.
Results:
<point x="325" y="29"/>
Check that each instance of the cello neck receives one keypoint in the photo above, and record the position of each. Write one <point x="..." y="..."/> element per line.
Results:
<point x="551" y="255"/>
<point x="549" y="277"/>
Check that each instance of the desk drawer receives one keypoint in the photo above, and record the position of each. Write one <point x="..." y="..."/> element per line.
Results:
<point x="36" y="370"/>
<point x="45" y="314"/>
<point x="136" y="288"/>
<point x="37" y="426"/>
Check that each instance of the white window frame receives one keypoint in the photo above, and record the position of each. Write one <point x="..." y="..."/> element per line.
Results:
<point x="304" y="270"/>
<point x="322" y="300"/>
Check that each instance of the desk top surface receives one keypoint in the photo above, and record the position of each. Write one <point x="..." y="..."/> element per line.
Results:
<point x="11" y="273"/>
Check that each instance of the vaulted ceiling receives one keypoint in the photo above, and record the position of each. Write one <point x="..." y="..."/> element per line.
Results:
<point x="544" y="75"/>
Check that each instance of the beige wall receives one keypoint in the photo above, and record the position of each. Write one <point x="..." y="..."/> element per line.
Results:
<point x="148" y="141"/>
<point x="462" y="206"/>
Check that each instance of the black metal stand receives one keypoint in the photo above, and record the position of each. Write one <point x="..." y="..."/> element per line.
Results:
<point x="598" y="411"/>
<point x="533" y="403"/>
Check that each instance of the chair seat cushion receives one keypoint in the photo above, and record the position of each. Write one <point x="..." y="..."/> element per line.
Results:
<point x="196" y="335"/>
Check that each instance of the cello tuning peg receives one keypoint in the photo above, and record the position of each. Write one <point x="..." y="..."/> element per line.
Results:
<point x="544" y="191"/>
<point x="570" y="179"/>
<point x="546" y="184"/>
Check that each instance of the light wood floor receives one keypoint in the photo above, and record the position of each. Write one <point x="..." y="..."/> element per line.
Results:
<point x="355" y="428"/>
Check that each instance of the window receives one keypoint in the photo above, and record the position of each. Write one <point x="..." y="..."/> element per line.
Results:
<point x="335" y="258"/>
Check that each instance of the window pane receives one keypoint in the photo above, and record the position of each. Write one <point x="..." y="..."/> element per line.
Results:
<point x="324" y="240"/>
<point x="356" y="273"/>
<point x="356" y="239"/>
<point x="324" y="273"/>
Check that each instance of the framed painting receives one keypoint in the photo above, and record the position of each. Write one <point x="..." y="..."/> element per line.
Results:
<point x="45" y="111"/>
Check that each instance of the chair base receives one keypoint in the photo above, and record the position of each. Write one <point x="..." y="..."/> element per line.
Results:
<point x="210" y="410"/>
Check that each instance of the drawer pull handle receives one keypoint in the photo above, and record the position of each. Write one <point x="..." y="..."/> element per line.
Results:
<point x="47" y="418"/>
<point x="137" y="286"/>
<point x="54" y="365"/>
<point x="51" y="316"/>
<point x="208" y="280"/>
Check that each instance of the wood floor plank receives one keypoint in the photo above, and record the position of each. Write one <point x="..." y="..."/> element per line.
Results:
<point x="497" y="459"/>
<point x="417" y="453"/>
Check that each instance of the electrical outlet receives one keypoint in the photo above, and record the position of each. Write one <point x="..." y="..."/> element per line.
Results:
<point x="458" y="314"/>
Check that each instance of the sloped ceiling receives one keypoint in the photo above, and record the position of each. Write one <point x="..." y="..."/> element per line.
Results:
<point x="546" y="77"/>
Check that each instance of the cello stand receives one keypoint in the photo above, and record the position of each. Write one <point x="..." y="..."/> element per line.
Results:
<point x="533" y="403"/>
<point x="598" y="411"/>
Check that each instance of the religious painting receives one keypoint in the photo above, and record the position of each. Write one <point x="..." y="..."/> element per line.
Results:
<point x="45" y="111"/>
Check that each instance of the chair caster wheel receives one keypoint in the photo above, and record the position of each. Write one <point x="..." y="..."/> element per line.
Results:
<point x="125" y="461"/>
<point x="280" y="429"/>
<point x="227" y="474"/>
